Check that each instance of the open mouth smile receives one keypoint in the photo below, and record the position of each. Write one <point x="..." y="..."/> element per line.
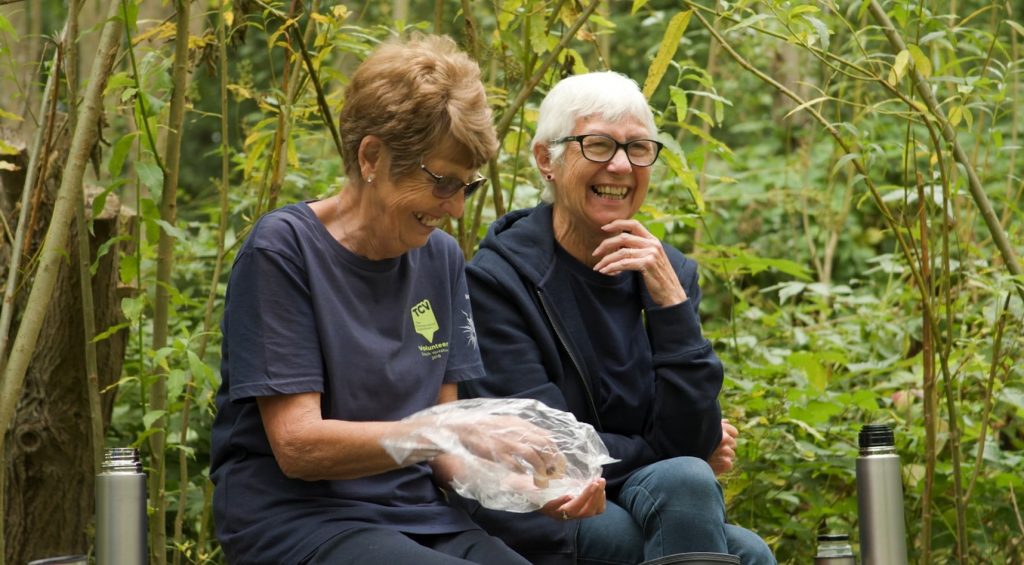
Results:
<point x="429" y="221"/>
<point x="610" y="192"/>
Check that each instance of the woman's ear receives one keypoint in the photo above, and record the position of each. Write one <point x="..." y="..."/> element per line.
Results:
<point x="542" y="156"/>
<point x="371" y="156"/>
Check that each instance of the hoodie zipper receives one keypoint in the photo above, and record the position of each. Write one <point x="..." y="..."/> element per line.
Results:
<point x="572" y="357"/>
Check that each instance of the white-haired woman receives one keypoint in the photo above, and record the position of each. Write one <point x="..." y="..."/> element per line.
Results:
<point x="581" y="307"/>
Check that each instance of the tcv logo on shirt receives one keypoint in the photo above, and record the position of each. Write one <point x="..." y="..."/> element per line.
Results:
<point x="425" y="324"/>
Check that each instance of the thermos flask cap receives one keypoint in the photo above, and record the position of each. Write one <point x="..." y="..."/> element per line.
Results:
<point x="833" y="537"/>
<point x="121" y="460"/>
<point x="876" y="435"/>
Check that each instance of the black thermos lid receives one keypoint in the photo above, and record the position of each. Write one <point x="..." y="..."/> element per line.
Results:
<point x="876" y="435"/>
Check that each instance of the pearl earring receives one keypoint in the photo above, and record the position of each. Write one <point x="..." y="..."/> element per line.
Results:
<point x="369" y="179"/>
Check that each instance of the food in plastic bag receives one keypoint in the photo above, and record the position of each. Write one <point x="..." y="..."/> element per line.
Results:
<point x="513" y="454"/>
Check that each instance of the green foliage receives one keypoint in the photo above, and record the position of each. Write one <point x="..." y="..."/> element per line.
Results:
<point x="813" y="304"/>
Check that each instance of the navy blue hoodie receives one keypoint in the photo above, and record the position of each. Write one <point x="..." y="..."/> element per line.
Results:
<point x="533" y="342"/>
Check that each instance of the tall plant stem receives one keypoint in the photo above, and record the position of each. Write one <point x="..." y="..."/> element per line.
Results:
<point x="949" y="135"/>
<point x="164" y="265"/>
<point x="92" y="380"/>
<point x="211" y="297"/>
<point x="54" y="246"/>
<point x="928" y="378"/>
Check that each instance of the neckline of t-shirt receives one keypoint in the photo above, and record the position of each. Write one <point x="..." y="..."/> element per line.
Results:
<point x="589" y="275"/>
<point x="346" y="254"/>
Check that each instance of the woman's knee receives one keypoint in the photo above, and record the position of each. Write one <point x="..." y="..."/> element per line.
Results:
<point x="689" y="478"/>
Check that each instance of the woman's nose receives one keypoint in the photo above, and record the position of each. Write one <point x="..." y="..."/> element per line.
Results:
<point x="619" y="163"/>
<point x="455" y="205"/>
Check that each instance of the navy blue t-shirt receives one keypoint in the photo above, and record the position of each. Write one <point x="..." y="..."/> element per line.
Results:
<point x="625" y="383"/>
<point x="375" y="338"/>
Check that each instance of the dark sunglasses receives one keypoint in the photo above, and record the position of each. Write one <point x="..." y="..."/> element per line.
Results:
<point x="446" y="187"/>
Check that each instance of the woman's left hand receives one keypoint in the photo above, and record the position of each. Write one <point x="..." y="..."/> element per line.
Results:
<point x="589" y="502"/>
<point x="633" y="248"/>
<point x="724" y="457"/>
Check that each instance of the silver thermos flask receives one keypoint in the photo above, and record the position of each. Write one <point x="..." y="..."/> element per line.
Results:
<point x="834" y="549"/>
<point x="880" y="498"/>
<point x="121" y="509"/>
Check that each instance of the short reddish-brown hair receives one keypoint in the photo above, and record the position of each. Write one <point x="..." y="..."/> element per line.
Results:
<point x="416" y="96"/>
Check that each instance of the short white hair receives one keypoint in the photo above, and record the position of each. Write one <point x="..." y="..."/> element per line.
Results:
<point x="607" y="95"/>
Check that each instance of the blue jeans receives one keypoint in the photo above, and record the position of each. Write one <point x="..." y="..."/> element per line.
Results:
<point x="672" y="506"/>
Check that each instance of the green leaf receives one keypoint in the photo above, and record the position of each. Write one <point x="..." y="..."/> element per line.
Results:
<point x="176" y="380"/>
<point x="110" y="331"/>
<point x="956" y="115"/>
<point x="151" y="417"/>
<point x="1016" y="26"/>
<point x="201" y="372"/>
<point x="803" y="9"/>
<point x="899" y="68"/>
<point x="822" y="29"/>
<point x="129" y="271"/>
<point x="172" y="231"/>
<point x="151" y="176"/>
<point x="104" y="249"/>
<point x="678" y="96"/>
<point x="921" y="61"/>
<point x="119" y="153"/>
<point x="4" y="114"/>
<point x="7" y="149"/>
<point x="6" y="27"/>
<point x="637" y="4"/>
<point x="539" y="39"/>
<point x="810" y="364"/>
<point x="806" y="104"/>
<point x="676" y="160"/>
<point x="748" y="22"/>
<point x="666" y="51"/>
<point x="840" y="162"/>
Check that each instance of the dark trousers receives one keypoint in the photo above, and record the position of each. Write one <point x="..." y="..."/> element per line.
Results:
<point x="381" y="546"/>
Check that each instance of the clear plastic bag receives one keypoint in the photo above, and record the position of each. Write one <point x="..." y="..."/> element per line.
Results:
<point x="512" y="454"/>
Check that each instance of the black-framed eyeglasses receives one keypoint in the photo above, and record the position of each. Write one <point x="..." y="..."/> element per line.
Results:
<point x="600" y="148"/>
<point x="446" y="187"/>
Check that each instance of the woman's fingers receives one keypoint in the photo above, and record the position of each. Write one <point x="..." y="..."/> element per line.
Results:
<point x="590" y="502"/>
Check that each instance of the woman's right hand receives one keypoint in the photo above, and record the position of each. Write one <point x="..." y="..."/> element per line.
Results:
<point x="589" y="502"/>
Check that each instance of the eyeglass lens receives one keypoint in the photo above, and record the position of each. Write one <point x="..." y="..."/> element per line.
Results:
<point x="446" y="187"/>
<point x="601" y="148"/>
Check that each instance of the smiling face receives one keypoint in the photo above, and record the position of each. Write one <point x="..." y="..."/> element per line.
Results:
<point x="589" y="195"/>
<point x="404" y="210"/>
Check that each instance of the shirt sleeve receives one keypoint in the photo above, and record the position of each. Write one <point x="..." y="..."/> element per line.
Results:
<point x="270" y="327"/>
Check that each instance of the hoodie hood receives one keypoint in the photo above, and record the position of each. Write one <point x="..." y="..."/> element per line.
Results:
<point x="526" y="239"/>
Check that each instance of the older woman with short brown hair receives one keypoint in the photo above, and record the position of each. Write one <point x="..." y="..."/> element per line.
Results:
<point x="345" y="315"/>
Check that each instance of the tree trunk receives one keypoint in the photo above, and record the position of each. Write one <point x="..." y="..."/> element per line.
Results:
<point x="48" y="453"/>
